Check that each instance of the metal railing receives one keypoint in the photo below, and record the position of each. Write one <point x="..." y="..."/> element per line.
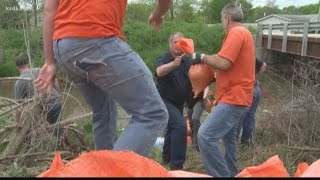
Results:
<point x="306" y="27"/>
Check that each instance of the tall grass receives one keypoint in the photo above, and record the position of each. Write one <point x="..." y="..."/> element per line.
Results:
<point x="148" y="43"/>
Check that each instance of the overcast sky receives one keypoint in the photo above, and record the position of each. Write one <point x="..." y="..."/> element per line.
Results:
<point x="280" y="3"/>
<point x="285" y="3"/>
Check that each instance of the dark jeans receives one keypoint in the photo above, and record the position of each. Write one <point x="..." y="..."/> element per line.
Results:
<point x="55" y="115"/>
<point x="175" y="142"/>
<point x="194" y="117"/>
<point x="248" y="123"/>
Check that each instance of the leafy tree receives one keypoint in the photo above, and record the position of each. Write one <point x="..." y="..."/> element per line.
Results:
<point x="309" y="9"/>
<point x="186" y="12"/>
<point x="139" y="11"/>
<point x="291" y="10"/>
<point x="246" y="7"/>
<point x="10" y="14"/>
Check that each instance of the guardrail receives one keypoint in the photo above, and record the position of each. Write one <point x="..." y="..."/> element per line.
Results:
<point x="306" y="27"/>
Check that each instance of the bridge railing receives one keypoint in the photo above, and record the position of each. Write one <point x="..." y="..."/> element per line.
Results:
<point x="286" y="28"/>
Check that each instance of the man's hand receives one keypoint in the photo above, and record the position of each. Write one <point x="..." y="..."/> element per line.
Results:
<point x="177" y="60"/>
<point x="155" y="21"/>
<point x="196" y="58"/>
<point x="46" y="78"/>
<point x="156" y="17"/>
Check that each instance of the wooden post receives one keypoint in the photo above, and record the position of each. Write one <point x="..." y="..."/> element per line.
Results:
<point x="285" y="37"/>
<point x="270" y="37"/>
<point x="305" y="39"/>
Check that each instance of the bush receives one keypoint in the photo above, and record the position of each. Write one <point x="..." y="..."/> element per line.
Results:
<point x="8" y="69"/>
<point x="148" y="43"/>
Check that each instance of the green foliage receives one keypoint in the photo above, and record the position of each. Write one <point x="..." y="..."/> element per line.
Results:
<point x="8" y="69"/>
<point x="138" y="11"/>
<point x="19" y="172"/>
<point x="213" y="10"/>
<point x="10" y="14"/>
<point x="150" y="44"/>
<point x="13" y="43"/>
<point x="186" y="12"/>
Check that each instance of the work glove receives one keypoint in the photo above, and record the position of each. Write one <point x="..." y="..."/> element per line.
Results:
<point x="195" y="58"/>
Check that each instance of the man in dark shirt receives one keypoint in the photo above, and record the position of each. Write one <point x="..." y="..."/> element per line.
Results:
<point x="175" y="89"/>
<point x="248" y="123"/>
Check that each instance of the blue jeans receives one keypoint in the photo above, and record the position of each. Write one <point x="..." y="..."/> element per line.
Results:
<point x="221" y="123"/>
<point x="248" y="123"/>
<point x="175" y="142"/>
<point x="107" y="70"/>
<point x="195" y="116"/>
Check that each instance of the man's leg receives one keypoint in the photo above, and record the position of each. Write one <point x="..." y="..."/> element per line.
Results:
<point x="55" y="115"/>
<point x="219" y="122"/>
<point x="177" y="136"/>
<point x="249" y="121"/>
<point x="195" y="124"/>
<point x="103" y="107"/>
<point x="110" y="64"/>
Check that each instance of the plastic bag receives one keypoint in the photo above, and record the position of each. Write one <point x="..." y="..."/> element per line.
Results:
<point x="185" y="45"/>
<point x="106" y="163"/>
<point x="273" y="167"/>
<point x="200" y="75"/>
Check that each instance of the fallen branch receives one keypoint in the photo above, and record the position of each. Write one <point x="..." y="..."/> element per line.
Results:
<point x="15" y="78"/>
<point x="304" y="149"/>
<point x="68" y="121"/>
<point x="16" y="107"/>
<point x="37" y="155"/>
<point x="7" y="128"/>
<point x="75" y="99"/>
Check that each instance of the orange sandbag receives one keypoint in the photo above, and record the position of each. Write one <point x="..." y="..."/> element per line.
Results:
<point x="106" y="163"/>
<point x="200" y="75"/>
<point x="210" y="102"/>
<point x="56" y="164"/>
<point x="180" y="173"/>
<point x="189" y="140"/>
<point x="302" y="167"/>
<point x="273" y="167"/>
<point x="313" y="170"/>
<point x="188" y="128"/>
<point x="185" y="45"/>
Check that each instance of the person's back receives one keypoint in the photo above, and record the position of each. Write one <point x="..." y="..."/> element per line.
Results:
<point x="24" y="89"/>
<point x="234" y="86"/>
<point x="87" y="19"/>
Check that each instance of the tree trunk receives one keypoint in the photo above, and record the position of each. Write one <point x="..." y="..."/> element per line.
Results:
<point x="171" y="13"/>
<point x="34" y="4"/>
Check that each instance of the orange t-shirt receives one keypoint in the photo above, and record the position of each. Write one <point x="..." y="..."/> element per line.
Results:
<point x="235" y="85"/>
<point x="89" y="18"/>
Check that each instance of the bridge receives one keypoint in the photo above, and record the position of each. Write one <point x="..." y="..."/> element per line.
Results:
<point x="301" y="39"/>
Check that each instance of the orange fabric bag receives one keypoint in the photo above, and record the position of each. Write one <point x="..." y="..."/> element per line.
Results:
<point x="200" y="75"/>
<point x="185" y="45"/>
<point x="106" y="163"/>
<point x="273" y="167"/>
<point x="180" y="173"/>
<point x="302" y="167"/>
<point x="57" y="164"/>
<point x="313" y="170"/>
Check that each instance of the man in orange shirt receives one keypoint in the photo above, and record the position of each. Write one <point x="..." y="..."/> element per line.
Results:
<point x="85" y="38"/>
<point x="235" y="65"/>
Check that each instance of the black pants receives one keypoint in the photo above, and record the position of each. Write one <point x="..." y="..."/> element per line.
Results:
<point x="54" y="115"/>
<point x="175" y="142"/>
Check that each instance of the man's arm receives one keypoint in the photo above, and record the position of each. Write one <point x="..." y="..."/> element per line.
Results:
<point x="46" y="77"/>
<point x="156" y="17"/>
<point x="167" y="68"/>
<point x="262" y="69"/>
<point x="216" y="62"/>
